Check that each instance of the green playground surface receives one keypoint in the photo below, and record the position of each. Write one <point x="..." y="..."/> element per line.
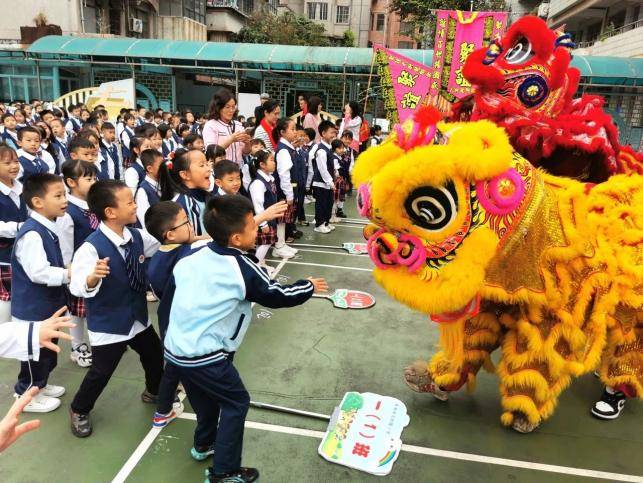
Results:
<point x="307" y="358"/>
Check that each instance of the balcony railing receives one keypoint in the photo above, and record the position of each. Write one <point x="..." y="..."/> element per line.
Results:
<point x="610" y="33"/>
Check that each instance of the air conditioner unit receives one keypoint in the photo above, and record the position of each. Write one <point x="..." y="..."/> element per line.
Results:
<point x="136" y="25"/>
<point x="543" y="10"/>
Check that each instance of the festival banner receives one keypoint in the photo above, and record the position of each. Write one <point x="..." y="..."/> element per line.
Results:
<point x="405" y="83"/>
<point x="457" y="34"/>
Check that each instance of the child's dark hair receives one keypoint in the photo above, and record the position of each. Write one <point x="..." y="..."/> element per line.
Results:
<point x="164" y="129"/>
<point x="80" y="142"/>
<point x="375" y="129"/>
<point x="135" y="144"/>
<point x="182" y="128"/>
<point x="226" y="216"/>
<point x="224" y="168"/>
<point x="348" y="134"/>
<point x="256" y="141"/>
<point x="7" y="152"/>
<point x="146" y="131"/>
<point x="170" y="181"/>
<point x="149" y="157"/>
<point x="281" y="126"/>
<point x="126" y="116"/>
<point x="261" y="156"/>
<point x="25" y="130"/>
<point x="102" y="195"/>
<point x="6" y="115"/>
<point x="337" y="143"/>
<point x="310" y="133"/>
<point x="214" y="151"/>
<point x="36" y="186"/>
<point x="325" y="126"/>
<point x="89" y="134"/>
<point x="159" y="218"/>
<point x="106" y="126"/>
<point x="75" y="169"/>
<point x="190" y="139"/>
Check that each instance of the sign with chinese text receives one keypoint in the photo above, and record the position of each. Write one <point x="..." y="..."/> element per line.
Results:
<point x="457" y="34"/>
<point x="365" y="432"/>
<point x="405" y="83"/>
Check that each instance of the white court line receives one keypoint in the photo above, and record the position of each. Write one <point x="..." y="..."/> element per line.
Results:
<point x="338" y="252"/>
<point x="144" y="445"/>
<point x="439" y="453"/>
<point x="285" y="260"/>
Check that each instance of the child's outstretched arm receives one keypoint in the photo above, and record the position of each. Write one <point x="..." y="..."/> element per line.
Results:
<point x="271" y="213"/>
<point x="269" y="293"/>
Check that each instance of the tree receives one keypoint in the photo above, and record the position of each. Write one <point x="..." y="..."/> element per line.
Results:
<point x="421" y="13"/>
<point x="349" y="39"/>
<point x="287" y="28"/>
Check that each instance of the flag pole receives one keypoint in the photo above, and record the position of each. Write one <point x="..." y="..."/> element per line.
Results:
<point x="370" y="76"/>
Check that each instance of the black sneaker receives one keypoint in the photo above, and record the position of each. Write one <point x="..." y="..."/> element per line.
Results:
<point x="148" y="397"/>
<point x="81" y="425"/>
<point x="610" y="405"/>
<point x="243" y="475"/>
<point x="297" y="234"/>
<point x="340" y="213"/>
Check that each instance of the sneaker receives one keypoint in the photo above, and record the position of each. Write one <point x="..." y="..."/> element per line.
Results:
<point x="148" y="397"/>
<point x="330" y="226"/>
<point x="242" y="475"/>
<point x="322" y="229"/>
<point x="309" y="199"/>
<point x="52" y="391"/>
<point x="81" y="424"/>
<point x="297" y="234"/>
<point x="610" y="405"/>
<point x="340" y="213"/>
<point x="162" y="420"/>
<point x="201" y="453"/>
<point x="81" y="355"/>
<point x="282" y="252"/>
<point x="303" y="223"/>
<point x="293" y="250"/>
<point x="41" y="404"/>
<point x="334" y="219"/>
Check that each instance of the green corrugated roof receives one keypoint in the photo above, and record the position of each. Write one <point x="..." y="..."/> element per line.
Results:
<point x="605" y="70"/>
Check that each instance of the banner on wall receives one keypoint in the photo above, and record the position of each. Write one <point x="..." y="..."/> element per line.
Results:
<point x="457" y="34"/>
<point x="405" y="83"/>
<point x="114" y="96"/>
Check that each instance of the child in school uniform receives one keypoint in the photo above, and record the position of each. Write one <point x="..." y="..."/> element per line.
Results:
<point x="109" y="151"/>
<point x="13" y="213"/>
<point x="169" y="144"/>
<point x="339" y="195"/>
<point x="194" y="141"/>
<point x="214" y="154"/>
<point x="135" y="173"/>
<point x="9" y="133"/>
<point x="148" y="192"/>
<point x="301" y="173"/>
<point x="21" y="119"/>
<point x="284" y="134"/>
<point x="60" y="140"/>
<point x="309" y="148"/>
<point x="74" y="124"/>
<point x="125" y="137"/>
<point x="108" y="270"/>
<point x="323" y="183"/>
<point x="252" y="147"/>
<point x="346" y="168"/>
<point x="37" y="280"/>
<point x="209" y="316"/>
<point x="100" y="163"/>
<point x="263" y="193"/>
<point x="227" y="178"/>
<point x="74" y="228"/>
<point x="30" y="160"/>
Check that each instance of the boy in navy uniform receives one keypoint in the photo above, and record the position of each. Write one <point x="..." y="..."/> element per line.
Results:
<point x="30" y="161"/>
<point x="210" y="314"/>
<point x="37" y="280"/>
<point x="108" y="270"/>
<point x="323" y="184"/>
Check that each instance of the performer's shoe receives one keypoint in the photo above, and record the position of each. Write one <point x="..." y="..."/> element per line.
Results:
<point x="610" y="405"/>
<point x="417" y="377"/>
<point x="242" y="475"/>
<point x="201" y="453"/>
<point x="522" y="425"/>
<point x="340" y="213"/>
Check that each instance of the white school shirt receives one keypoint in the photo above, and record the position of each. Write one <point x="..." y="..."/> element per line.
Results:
<point x="69" y="126"/>
<point x="245" y="176"/>
<point x="65" y="225"/>
<point x="320" y="159"/>
<point x="47" y="158"/>
<point x="111" y="162"/>
<point x="257" y="193"/>
<point x="14" y="341"/>
<point x="284" y="164"/>
<point x="132" y="178"/>
<point x="83" y="265"/>
<point x="31" y="157"/>
<point x="31" y="255"/>
<point x="9" y="229"/>
<point x="143" y="202"/>
<point x="311" y="160"/>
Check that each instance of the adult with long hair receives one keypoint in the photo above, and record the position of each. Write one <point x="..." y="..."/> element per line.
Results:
<point x="352" y="121"/>
<point x="313" y="118"/>
<point x="266" y="124"/>
<point x="222" y="129"/>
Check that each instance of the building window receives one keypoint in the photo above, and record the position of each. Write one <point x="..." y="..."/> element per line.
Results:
<point x="406" y="28"/>
<point x="194" y="9"/>
<point x="342" y="14"/>
<point x="312" y="11"/>
<point x="378" y="22"/>
<point x="405" y="45"/>
<point x="323" y="11"/>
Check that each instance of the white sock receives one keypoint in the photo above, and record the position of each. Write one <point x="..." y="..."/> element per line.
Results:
<point x="281" y="235"/>
<point x="261" y="252"/>
<point x="78" y="332"/>
<point x="333" y="210"/>
<point x="5" y="311"/>
<point x="340" y="205"/>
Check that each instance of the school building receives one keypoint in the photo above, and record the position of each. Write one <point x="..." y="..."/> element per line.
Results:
<point x="181" y="74"/>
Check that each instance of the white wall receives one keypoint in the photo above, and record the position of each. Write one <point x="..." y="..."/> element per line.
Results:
<point x="59" y="12"/>
<point x="628" y="44"/>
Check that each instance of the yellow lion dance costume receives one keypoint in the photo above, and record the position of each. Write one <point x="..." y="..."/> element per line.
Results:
<point x="504" y="255"/>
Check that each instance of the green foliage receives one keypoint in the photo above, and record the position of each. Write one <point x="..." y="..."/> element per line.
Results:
<point x="287" y="28"/>
<point x="354" y="400"/>
<point x="349" y="39"/>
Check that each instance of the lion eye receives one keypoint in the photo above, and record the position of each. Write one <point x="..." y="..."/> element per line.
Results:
<point x="432" y="208"/>
<point x="520" y="52"/>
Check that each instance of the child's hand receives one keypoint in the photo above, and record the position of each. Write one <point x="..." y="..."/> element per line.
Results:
<point x="320" y="285"/>
<point x="265" y="229"/>
<point x="10" y="430"/>
<point x="275" y="211"/>
<point x="50" y="329"/>
<point x="101" y="270"/>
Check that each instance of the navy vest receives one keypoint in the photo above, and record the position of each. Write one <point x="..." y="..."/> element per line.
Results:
<point x="110" y="153"/>
<point x="269" y="197"/>
<point x="82" y="228"/>
<point x="29" y="168"/>
<point x="32" y="301"/>
<point x="62" y="148"/>
<point x="140" y="170"/>
<point x="75" y="125"/>
<point x="115" y="308"/>
<point x="130" y="134"/>
<point x="9" y="140"/>
<point x="330" y="166"/>
<point x="10" y="212"/>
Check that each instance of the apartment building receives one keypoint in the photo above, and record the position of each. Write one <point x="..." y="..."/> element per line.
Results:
<point x="387" y="28"/>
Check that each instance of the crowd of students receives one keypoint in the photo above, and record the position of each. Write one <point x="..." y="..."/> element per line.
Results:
<point x="98" y="216"/>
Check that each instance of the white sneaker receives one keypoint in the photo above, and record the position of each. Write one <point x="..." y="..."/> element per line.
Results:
<point x="41" y="404"/>
<point x="282" y="252"/>
<point x="292" y="249"/>
<point x="322" y="229"/>
<point x="81" y="355"/>
<point x="330" y="227"/>
<point x="308" y="200"/>
<point x="52" y="391"/>
<point x="335" y="219"/>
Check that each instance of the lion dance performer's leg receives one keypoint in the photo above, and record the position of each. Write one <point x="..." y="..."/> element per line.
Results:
<point x="480" y="336"/>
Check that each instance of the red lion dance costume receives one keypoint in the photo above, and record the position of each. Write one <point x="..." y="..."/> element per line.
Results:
<point x="524" y="83"/>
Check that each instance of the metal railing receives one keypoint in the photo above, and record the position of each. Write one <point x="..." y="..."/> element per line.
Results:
<point x="608" y="33"/>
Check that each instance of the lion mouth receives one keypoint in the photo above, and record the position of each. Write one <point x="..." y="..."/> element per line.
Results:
<point x="387" y="249"/>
